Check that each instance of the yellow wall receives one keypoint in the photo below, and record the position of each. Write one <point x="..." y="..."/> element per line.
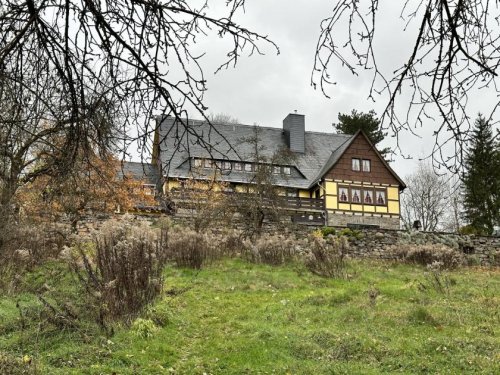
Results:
<point x="393" y="207"/>
<point x="304" y="194"/>
<point x="332" y="202"/>
<point x="331" y="188"/>
<point x="171" y="184"/>
<point x="393" y="193"/>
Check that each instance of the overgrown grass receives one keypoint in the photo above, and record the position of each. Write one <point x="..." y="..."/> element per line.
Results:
<point x="235" y="317"/>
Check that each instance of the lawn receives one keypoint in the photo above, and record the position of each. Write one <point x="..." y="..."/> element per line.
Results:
<point x="234" y="317"/>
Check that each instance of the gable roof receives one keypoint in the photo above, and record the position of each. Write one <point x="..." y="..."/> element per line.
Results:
<point x="178" y="147"/>
<point x="335" y="157"/>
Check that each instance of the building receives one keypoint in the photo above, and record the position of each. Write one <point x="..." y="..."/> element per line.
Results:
<point x="339" y="178"/>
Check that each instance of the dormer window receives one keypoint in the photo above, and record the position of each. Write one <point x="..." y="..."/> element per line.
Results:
<point x="287" y="170"/>
<point x="366" y="165"/>
<point x="226" y="165"/>
<point x="276" y="169"/>
<point x="248" y="167"/>
<point x="356" y="165"/>
<point x="208" y="163"/>
<point x="197" y="163"/>
<point x="237" y="167"/>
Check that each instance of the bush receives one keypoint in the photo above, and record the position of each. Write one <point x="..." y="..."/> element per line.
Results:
<point x="122" y="269"/>
<point x="326" y="231"/>
<point x="29" y="244"/>
<point x="188" y="248"/>
<point x="271" y="249"/>
<point x="428" y="254"/>
<point x="326" y="256"/>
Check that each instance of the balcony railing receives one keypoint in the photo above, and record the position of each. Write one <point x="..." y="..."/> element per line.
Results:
<point x="284" y="202"/>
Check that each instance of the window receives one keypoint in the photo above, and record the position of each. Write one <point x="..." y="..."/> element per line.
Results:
<point x="218" y="164"/>
<point x="237" y="166"/>
<point x="292" y="193"/>
<point x="287" y="170"/>
<point x="208" y="163"/>
<point x="380" y="197"/>
<point x="276" y="169"/>
<point x="355" y="196"/>
<point x="197" y="163"/>
<point x="343" y="194"/>
<point x="366" y="165"/>
<point x="368" y="196"/>
<point x="248" y="167"/>
<point x="356" y="164"/>
<point x="226" y="165"/>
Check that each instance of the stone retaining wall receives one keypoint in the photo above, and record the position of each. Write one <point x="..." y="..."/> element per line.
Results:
<point x="376" y="243"/>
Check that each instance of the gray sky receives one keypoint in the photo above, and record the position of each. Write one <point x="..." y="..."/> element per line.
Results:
<point x="264" y="89"/>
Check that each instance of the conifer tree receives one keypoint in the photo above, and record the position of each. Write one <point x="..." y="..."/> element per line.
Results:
<point x="481" y="179"/>
<point x="368" y="122"/>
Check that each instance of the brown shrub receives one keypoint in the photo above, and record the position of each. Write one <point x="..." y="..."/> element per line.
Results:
<point x="121" y="269"/>
<point x="326" y="256"/>
<point x="192" y="249"/>
<point x="429" y="254"/>
<point x="271" y="249"/>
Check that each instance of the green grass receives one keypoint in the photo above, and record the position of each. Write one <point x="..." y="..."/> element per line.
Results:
<point x="239" y="318"/>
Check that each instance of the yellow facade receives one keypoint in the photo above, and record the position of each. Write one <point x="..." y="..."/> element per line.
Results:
<point x="330" y="188"/>
<point x="332" y="202"/>
<point x="393" y="193"/>
<point x="304" y="194"/>
<point x="344" y="206"/>
<point x="393" y="207"/>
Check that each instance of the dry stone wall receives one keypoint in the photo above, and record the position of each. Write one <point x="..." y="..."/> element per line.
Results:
<point x="383" y="244"/>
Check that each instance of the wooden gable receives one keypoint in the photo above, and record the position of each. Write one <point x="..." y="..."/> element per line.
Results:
<point x="361" y="148"/>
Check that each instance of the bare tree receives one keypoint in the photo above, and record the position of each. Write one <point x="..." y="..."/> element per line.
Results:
<point x="138" y="53"/>
<point x="425" y="199"/>
<point x="456" y="50"/>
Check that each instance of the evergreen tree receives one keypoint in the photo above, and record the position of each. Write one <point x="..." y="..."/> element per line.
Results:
<point x="368" y="122"/>
<point x="481" y="179"/>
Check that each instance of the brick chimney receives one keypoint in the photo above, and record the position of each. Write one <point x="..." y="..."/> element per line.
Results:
<point x="294" y="126"/>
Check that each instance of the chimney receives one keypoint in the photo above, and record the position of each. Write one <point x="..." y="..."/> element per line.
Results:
<point x="294" y="128"/>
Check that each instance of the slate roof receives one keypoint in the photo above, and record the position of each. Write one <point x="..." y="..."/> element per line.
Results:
<point x="230" y="142"/>
<point x="146" y="172"/>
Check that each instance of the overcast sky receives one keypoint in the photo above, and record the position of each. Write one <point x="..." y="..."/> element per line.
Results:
<point x="264" y="89"/>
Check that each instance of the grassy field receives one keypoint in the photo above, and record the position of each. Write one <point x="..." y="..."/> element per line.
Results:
<point x="239" y="318"/>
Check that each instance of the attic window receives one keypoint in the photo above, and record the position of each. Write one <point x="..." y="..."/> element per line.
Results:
<point x="276" y="169"/>
<point x="287" y="170"/>
<point x="237" y="166"/>
<point x="226" y="165"/>
<point x="356" y="164"/>
<point x="366" y="165"/>
<point x="248" y="167"/>
<point x="197" y="163"/>
<point x="208" y="163"/>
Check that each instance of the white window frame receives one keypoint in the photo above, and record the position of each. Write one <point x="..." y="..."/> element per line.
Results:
<point x="366" y="162"/>
<point x="238" y="166"/>
<point x="248" y="167"/>
<point x="356" y="164"/>
<point x="287" y="170"/>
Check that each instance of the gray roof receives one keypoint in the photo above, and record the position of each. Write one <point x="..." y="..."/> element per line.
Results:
<point x="146" y="172"/>
<point x="179" y="146"/>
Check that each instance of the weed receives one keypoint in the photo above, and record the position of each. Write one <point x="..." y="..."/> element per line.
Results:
<point x="143" y="328"/>
<point x="327" y="256"/>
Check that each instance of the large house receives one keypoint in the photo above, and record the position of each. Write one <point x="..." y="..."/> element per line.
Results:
<point x="340" y="178"/>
